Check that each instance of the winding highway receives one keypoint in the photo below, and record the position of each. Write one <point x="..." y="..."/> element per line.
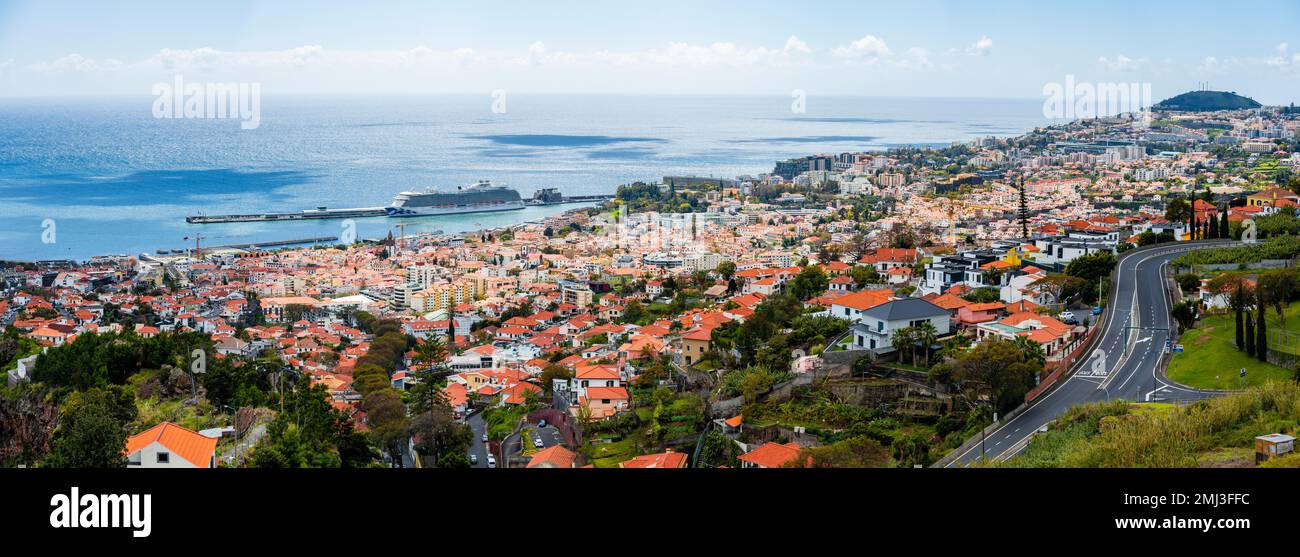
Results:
<point x="1123" y="364"/>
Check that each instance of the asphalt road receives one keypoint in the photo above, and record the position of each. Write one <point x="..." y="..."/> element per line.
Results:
<point x="1124" y="364"/>
<point x="476" y="445"/>
<point x="550" y="437"/>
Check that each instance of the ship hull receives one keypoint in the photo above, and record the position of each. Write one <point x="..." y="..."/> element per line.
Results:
<point x="438" y="211"/>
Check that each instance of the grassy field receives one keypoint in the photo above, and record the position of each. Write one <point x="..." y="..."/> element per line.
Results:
<point x="609" y="455"/>
<point x="1211" y="361"/>
<point x="1214" y="433"/>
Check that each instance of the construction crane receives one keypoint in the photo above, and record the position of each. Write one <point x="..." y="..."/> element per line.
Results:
<point x="198" y="253"/>
<point x="401" y="237"/>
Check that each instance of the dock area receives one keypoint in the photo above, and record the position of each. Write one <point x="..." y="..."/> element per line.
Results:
<point x="258" y="245"/>
<point x="317" y="213"/>
<point x="542" y="197"/>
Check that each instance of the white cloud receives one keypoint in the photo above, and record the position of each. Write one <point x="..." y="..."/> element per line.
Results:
<point x="795" y="46"/>
<point x="76" y="63"/>
<point x="918" y="58"/>
<point x="1122" y="63"/>
<point x="536" y="52"/>
<point x="869" y="47"/>
<point x="981" y="47"/>
<point x="1281" y="59"/>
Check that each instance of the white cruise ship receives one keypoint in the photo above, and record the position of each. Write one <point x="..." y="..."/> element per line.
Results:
<point x="482" y="197"/>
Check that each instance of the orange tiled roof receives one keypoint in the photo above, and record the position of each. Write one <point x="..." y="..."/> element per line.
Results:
<point x="772" y="455"/>
<point x="864" y="299"/>
<point x="659" y="460"/>
<point x="189" y="445"/>
<point x="553" y="457"/>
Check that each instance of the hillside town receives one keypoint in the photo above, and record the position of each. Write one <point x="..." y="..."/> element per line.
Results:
<point x="864" y="309"/>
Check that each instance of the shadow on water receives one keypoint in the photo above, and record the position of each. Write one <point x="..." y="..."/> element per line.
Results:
<point x="162" y="186"/>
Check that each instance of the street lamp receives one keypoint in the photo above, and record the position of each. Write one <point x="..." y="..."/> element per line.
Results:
<point x="236" y="426"/>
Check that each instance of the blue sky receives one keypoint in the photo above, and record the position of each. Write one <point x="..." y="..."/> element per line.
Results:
<point x="944" y="49"/>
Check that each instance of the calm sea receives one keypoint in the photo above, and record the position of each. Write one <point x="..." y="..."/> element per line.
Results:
<point x="112" y="179"/>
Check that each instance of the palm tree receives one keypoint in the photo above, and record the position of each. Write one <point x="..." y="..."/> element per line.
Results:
<point x="904" y="337"/>
<point x="1032" y="349"/>
<point x="927" y="336"/>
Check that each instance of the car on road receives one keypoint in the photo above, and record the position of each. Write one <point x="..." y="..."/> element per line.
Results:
<point x="473" y="459"/>
<point x="1067" y="317"/>
<point x="492" y="461"/>
<point x="485" y="438"/>
<point x="537" y="442"/>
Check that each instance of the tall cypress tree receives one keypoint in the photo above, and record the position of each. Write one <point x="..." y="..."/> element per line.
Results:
<point x="1261" y="331"/>
<point x="451" y="325"/>
<point x="1237" y="303"/>
<point x="1250" y="335"/>
<point x="1223" y="225"/>
<point x="1023" y="212"/>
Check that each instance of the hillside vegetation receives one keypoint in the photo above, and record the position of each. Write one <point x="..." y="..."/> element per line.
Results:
<point x="1121" y="434"/>
<point x="1206" y="101"/>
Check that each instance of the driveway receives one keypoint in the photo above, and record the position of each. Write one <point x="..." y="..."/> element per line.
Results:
<point x="550" y="436"/>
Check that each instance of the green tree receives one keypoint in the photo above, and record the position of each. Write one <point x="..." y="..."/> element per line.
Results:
<point x="1091" y="268"/>
<point x="809" y="283"/>
<point x="1032" y="350"/>
<point x="904" y="338"/>
<point x="718" y="450"/>
<point x="388" y="421"/>
<point x="1261" y="328"/>
<point x="925" y="334"/>
<point x="310" y="433"/>
<point x="1184" y="312"/>
<point x="1188" y="282"/>
<point x="865" y="274"/>
<point x="551" y="373"/>
<point x="1000" y="369"/>
<point x="92" y="430"/>
<point x="1238" y="307"/>
<point x="1178" y="210"/>
<point x="726" y="270"/>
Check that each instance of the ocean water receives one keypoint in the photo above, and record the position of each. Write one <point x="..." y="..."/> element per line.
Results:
<point x="92" y="176"/>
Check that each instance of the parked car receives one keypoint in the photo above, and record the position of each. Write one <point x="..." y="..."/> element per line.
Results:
<point x="537" y="442"/>
<point x="1067" y="317"/>
<point x="492" y="461"/>
<point x="485" y="438"/>
<point x="541" y="423"/>
<point x="473" y="459"/>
